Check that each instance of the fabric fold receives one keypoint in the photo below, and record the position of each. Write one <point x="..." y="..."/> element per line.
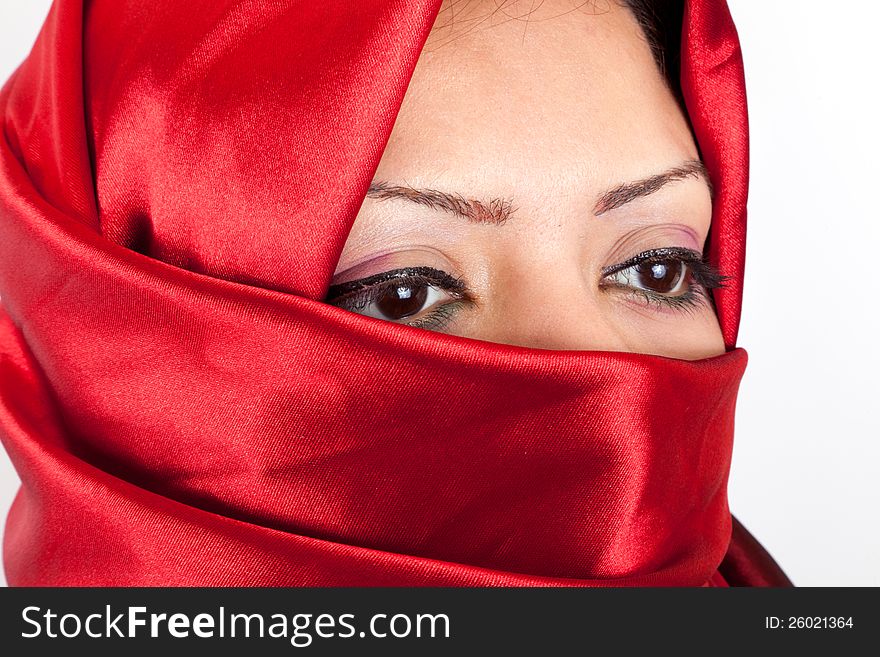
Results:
<point x="183" y="409"/>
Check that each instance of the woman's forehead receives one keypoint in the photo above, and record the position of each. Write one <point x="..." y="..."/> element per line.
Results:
<point x="563" y="91"/>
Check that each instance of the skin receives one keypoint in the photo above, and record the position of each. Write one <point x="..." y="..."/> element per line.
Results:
<point x="545" y="113"/>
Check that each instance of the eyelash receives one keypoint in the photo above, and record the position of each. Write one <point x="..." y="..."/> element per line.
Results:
<point x="367" y="290"/>
<point x="703" y="278"/>
<point x="361" y="293"/>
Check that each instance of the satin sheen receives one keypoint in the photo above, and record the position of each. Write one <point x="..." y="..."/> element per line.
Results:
<point x="177" y="181"/>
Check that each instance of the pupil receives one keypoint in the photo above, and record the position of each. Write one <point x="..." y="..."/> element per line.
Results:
<point x="660" y="276"/>
<point x="402" y="301"/>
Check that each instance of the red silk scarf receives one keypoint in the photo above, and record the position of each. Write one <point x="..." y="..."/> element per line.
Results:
<point x="177" y="180"/>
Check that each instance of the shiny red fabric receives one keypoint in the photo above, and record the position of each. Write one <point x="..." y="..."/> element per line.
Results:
<point x="177" y="180"/>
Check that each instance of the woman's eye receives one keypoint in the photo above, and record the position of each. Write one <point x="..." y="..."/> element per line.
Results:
<point x="672" y="276"/>
<point x="396" y="301"/>
<point x="425" y="297"/>
<point x="668" y="277"/>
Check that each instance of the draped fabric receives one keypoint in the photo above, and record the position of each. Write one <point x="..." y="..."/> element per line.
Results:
<point x="177" y="181"/>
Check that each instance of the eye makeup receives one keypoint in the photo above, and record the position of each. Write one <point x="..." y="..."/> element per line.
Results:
<point x="684" y="271"/>
<point x="396" y="287"/>
<point x="403" y="275"/>
<point x="401" y="294"/>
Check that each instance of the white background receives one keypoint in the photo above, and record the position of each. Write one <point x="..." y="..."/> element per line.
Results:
<point x="807" y="448"/>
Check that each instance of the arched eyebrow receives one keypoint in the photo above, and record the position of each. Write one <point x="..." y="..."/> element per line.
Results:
<point x="496" y="211"/>
<point x="623" y="194"/>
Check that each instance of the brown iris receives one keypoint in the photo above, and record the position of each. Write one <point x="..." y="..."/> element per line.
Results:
<point x="399" y="301"/>
<point x="661" y="276"/>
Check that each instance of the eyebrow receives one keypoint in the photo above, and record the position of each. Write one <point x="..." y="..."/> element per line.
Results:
<point x="493" y="211"/>
<point x="623" y="194"/>
<point x="498" y="210"/>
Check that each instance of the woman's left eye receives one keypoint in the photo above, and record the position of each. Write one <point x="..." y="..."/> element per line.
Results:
<point x="675" y="276"/>
<point x="669" y="277"/>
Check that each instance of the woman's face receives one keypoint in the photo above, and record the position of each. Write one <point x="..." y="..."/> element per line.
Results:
<point x="540" y="188"/>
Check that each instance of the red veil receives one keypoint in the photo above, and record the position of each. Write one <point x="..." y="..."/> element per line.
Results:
<point x="177" y="180"/>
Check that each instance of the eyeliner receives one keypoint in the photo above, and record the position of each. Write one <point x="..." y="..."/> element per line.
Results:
<point x="405" y="274"/>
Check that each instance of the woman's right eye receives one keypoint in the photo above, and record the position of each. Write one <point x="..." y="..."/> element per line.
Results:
<point x="400" y="294"/>
<point x="397" y="300"/>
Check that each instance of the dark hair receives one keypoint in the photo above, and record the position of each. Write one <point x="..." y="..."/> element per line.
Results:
<point x="661" y="22"/>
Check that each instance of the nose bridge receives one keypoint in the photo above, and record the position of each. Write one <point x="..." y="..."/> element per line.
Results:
<point x="553" y="307"/>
